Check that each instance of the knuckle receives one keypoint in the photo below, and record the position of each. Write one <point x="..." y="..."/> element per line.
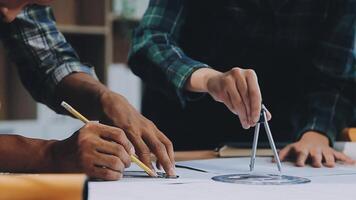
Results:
<point x="236" y="72"/>
<point x="148" y="127"/>
<point x="126" y="161"/>
<point x="84" y="144"/>
<point x="150" y="124"/>
<point x="90" y="125"/>
<point x="144" y="152"/>
<point x="169" y="144"/>
<point x="119" y="131"/>
<point x="220" y="96"/>
<point x="117" y="148"/>
<point x="115" y="162"/>
<point x="157" y="146"/>
<point x="105" y="173"/>
<point x="129" y="126"/>
<point x="120" y="136"/>
<point x="250" y="72"/>
<point x="227" y="80"/>
<point x="120" y="149"/>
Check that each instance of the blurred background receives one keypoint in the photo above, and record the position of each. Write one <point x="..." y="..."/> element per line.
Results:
<point x="100" y="32"/>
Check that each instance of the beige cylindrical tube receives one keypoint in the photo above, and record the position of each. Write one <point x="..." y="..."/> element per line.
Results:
<point x="42" y="186"/>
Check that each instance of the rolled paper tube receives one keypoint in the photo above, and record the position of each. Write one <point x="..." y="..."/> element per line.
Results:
<point x="43" y="186"/>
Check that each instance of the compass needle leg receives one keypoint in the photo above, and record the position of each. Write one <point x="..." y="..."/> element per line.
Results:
<point x="254" y="147"/>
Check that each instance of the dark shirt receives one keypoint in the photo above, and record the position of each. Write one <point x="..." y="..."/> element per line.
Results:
<point x="303" y="52"/>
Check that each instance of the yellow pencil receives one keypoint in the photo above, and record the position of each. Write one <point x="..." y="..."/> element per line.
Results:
<point x="85" y="120"/>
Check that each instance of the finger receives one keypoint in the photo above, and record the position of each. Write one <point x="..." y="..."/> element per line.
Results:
<point x="158" y="148"/>
<point x="110" y="162"/>
<point x="98" y="172"/>
<point x="343" y="158"/>
<point x="283" y="154"/>
<point x="10" y="14"/>
<point x="237" y="105"/>
<point x="226" y="99"/>
<point x="316" y="158"/>
<point x="254" y="95"/>
<point x="143" y="152"/>
<point x="269" y="115"/>
<point x="242" y="87"/>
<point x="112" y="148"/>
<point x="329" y="158"/>
<point x="169" y="146"/>
<point x="117" y="135"/>
<point x="302" y="156"/>
<point x="158" y="166"/>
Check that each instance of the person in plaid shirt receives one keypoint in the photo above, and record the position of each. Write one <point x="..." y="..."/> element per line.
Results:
<point x="52" y="72"/>
<point x="298" y="55"/>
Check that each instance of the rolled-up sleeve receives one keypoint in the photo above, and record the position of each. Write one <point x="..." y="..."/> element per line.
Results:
<point x="331" y="107"/>
<point x="41" y="53"/>
<point x="155" y="55"/>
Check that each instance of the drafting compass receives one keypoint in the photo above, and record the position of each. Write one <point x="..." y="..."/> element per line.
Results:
<point x="263" y="120"/>
<point x="262" y="179"/>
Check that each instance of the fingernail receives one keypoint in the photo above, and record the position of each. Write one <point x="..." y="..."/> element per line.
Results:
<point x="171" y="171"/>
<point x="246" y="126"/>
<point x="132" y="150"/>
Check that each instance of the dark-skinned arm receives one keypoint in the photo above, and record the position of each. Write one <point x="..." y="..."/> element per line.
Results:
<point x="98" y="150"/>
<point x="52" y="72"/>
<point x="97" y="102"/>
<point x="20" y="154"/>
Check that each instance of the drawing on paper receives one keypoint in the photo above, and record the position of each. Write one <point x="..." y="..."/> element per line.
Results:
<point x="142" y="174"/>
<point x="259" y="179"/>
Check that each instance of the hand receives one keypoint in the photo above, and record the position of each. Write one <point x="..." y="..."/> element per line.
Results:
<point x="238" y="89"/>
<point x="9" y="9"/>
<point x="143" y="134"/>
<point x="101" y="151"/>
<point x="315" y="148"/>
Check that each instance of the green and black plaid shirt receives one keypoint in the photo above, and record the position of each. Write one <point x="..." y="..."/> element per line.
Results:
<point x="41" y="53"/>
<point x="329" y="26"/>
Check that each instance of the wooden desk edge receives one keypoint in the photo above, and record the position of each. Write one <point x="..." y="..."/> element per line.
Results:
<point x="195" y="155"/>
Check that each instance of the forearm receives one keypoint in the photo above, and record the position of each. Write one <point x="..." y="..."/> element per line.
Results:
<point x="83" y="92"/>
<point x="197" y="82"/>
<point x="20" y="154"/>
<point x="327" y="113"/>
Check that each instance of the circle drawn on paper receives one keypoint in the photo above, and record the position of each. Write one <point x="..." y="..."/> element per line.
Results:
<point x="258" y="179"/>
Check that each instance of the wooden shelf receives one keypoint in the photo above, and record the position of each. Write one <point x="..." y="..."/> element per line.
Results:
<point x="86" y="26"/>
<point x="83" y="29"/>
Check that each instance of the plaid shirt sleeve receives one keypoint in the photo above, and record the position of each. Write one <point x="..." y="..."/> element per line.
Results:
<point x="155" y="55"/>
<point x="331" y="106"/>
<point x="41" y="53"/>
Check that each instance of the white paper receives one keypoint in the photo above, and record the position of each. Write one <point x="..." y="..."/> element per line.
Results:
<point x="327" y="184"/>
<point x="264" y="165"/>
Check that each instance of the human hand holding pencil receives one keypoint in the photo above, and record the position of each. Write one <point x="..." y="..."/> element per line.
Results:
<point x="119" y="140"/>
